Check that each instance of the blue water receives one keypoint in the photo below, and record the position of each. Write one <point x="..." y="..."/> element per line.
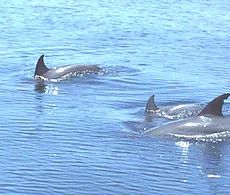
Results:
<point x="79" y="136"/>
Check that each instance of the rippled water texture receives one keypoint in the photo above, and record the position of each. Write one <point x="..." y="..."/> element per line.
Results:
<point x="80" y="136"/>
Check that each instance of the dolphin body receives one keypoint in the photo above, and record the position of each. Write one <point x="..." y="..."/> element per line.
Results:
<point x="172" y="112"/>
<point x="210" y="122"/>
<point x="45" y="73"/>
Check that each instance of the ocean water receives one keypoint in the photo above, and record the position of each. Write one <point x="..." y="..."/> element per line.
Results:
<point x="80" y="136"/>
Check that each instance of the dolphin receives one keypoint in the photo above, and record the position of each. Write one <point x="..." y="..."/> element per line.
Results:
<point x="171" y="112"/>
<point x="44" y="73"/>
<point x="210" y="122"/>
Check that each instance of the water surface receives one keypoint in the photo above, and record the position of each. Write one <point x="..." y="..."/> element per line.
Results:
<point x="80" y="135"/>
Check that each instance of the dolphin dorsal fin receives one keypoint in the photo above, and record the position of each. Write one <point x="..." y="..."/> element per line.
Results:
<point x="41" y="68"/>
<point x="151" y="106"/>
<point x="215" y="106"/>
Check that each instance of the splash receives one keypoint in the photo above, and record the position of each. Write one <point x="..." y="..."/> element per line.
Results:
<point x="214" y="137"/>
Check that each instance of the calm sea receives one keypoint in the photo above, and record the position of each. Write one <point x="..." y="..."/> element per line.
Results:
<point x="79" y="136"/>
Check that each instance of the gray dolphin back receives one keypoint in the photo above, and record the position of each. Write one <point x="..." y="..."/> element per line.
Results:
<point x="63" y="72"/>
<point x="215" y="106"/>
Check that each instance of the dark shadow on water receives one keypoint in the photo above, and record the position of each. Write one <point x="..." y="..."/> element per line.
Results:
<point x="40" y="86"/>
